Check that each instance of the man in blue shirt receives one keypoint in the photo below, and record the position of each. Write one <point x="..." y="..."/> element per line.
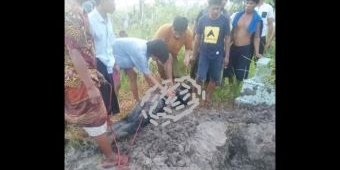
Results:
<point x="212" y="43"/>
<point x="133" y="53"/>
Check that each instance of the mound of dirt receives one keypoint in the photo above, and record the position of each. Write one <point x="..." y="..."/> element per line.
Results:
<point x="241" y="139"/>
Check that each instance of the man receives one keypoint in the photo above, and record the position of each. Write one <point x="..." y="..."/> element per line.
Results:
<point x="212" y="42"/>
<point x="205" y="12"/>
<point x="84" y="105"/>
<point x="176" y="35"/>
<point x="89" y="5"/>
<point x="200" y="14"/>
<point x="266" y="12"/>
<point x="101" y="29"/>
<point x="244" y="36"/>
<point x="133" y="53"/>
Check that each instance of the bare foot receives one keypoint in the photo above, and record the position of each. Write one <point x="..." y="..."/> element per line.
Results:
<point x="117" y="161"/>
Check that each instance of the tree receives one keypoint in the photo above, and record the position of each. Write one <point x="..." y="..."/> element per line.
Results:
<point x="141" y="10"/>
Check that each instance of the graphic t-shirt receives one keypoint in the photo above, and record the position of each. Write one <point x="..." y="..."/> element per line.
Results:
<point x="212" y="34"/>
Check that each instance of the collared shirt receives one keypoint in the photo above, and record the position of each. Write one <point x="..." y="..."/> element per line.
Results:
<point x="103" y="35"/>
<point x="131" y="53"/>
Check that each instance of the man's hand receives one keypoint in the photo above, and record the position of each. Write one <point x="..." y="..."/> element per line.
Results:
<point x="170" y="92"/>
<point x="258" y="55"/>
<point x="101" y="78"/>
<point x="192" y="60"/>
<point x="94" y="94"/>
<point x="186" y="61"/>
<point x="116" y="67"/>
<point x="267" y="46"/>
<point x="226" y="62"/>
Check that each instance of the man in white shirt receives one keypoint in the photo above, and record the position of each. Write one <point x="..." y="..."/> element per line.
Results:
<point x="102" y="32"/>
<point x="266" y="12"/>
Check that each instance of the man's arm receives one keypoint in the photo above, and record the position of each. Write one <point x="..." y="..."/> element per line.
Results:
<point x="188" y="53"/>
<point x="84" y="74"/>
<point x="227" y="43"/>
<point x="271" y="32"/>
<point x="80" y="67"/>
<point x="196" y="46"/>
<point x="270" y="21"/>
<point x="227" y="49"/>
<point x="151" y="80"/>
<point x="188" y="47"/>
<point x="257" y="40"/>
<point x="168" y="68"/>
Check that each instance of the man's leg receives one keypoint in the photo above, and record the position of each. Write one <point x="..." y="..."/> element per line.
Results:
<point x="116" y="80"/>
<point x="133" y="82"/>
<point x="210" y="89"/>
<point x="100" y="136"/>
<point x="214" y="72"/>
<point x="114" y="97"/>
<point x="202" y="71"/>
<point x="105" y="89"/>
<point x="105" y="146"/>
<point x="262" y="44"/>
<point x="242" y="67"/>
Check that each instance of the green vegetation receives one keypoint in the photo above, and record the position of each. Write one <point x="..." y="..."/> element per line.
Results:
<point x="144" y="24"/>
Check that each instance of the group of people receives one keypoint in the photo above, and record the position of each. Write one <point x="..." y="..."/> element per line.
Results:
<point x="94" y="57"/>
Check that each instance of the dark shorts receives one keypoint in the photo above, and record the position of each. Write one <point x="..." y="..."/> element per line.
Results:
<point x="210" y="68"/>
<point x="111" y="101"/>
<point x="239" y="62"/>
<point x="262" y="44"/>
<point x="194" y="68"/>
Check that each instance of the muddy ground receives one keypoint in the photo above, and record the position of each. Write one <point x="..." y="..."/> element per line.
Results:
<point x="241" y="139"/>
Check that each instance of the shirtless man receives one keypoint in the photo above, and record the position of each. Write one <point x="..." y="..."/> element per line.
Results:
<point x="245" y="37"/>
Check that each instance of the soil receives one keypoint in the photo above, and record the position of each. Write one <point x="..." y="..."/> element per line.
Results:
<point x="240" y="139"/>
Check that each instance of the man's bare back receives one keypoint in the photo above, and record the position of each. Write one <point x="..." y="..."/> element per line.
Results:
<point x="240" y="36"/>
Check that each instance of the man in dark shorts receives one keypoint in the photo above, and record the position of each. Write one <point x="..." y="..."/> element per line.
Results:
<point x="245" y="35"/>
<point x="212" y="43"/>
<point x="194" y="66"/>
